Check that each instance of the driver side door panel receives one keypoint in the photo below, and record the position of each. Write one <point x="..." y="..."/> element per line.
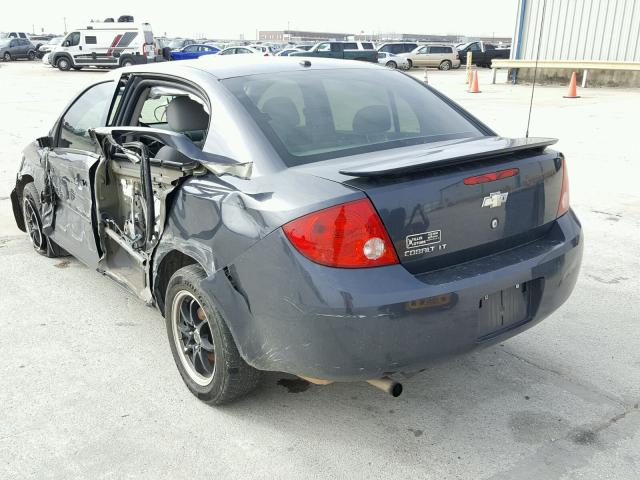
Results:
<point x="70" y="173"/>
<point x="70" y="169"/>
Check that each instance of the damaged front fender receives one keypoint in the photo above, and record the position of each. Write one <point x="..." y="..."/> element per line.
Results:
<point x="17" y="210"/>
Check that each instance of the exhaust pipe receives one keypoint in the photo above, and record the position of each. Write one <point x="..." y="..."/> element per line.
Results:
<point x="387" y="385"/>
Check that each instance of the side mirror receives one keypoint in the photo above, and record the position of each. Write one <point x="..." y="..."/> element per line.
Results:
<point x="45" y="142"/>
<point x="66" y="43"/>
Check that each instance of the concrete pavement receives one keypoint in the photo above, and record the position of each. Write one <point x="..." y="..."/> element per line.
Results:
<point x="88" y="388"/>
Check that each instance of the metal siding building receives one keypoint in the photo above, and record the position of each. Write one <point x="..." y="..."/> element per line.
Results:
<point x="606" y="30"/>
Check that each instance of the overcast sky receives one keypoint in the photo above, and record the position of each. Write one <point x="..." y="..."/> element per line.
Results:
<point x="199" y="17"/>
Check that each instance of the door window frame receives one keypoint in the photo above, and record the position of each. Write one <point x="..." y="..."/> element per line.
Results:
<point x="138" y="83"/>
<point x="56" y="131"/>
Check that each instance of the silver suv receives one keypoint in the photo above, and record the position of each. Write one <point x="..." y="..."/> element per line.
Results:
<point x="444" y="57"/>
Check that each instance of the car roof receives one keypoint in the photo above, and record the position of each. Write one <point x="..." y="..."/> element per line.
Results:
<point x="228" y="66"/>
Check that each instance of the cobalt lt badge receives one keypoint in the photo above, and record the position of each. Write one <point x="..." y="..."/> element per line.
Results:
<point x="495" y="199"/>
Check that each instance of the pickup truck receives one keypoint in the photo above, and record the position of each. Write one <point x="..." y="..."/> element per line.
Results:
<point x="344" y="50"/>
<point x="482" y="53"/>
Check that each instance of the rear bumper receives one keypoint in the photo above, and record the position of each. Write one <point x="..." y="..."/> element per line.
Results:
<point x="343" y="325"/>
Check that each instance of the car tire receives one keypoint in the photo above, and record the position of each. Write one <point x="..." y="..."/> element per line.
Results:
<point x="33" y="224"/>
<point x="127" y="62"/>
<point x="445" y="65"/>
<point x="410" y="64"/>
<point x="391" y="64"/>
<point x="77" y="68"/>
<point x="6" y="57"/>
<point x="31" y="55"/>
<point x="63" y="64"/>
<point x="208" y="361"/>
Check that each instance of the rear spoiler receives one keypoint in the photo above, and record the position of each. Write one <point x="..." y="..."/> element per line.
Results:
<point x="450" y="154"/>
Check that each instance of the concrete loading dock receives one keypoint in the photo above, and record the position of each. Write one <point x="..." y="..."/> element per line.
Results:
<point x="558" y="72"/>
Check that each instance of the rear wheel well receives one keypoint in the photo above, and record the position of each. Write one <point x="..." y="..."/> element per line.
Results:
<point x="170" y="264"/>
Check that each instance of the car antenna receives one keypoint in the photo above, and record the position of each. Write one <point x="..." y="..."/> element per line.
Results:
<point x="535" y="68"/>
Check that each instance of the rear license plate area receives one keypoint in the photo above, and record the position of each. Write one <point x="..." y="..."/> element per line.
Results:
<point x="506" y="309"/>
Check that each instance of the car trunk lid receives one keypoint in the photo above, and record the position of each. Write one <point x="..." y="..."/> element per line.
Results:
<point x="437" y="219"/>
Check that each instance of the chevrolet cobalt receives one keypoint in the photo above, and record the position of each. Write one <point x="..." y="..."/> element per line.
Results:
<point x="332" y="219"/>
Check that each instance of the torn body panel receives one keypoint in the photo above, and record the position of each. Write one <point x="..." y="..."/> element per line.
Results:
<point x="130" y="207"/>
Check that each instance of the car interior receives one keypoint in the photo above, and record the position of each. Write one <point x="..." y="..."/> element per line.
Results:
<point x="142" y="167"/>
<point x="174" y="110"/>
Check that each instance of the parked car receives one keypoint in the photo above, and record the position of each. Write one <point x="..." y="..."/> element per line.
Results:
<point x="193" y="51"/>
<point x="39" y="40"/>
<point x="285" y="52"/>
<point x="241" y="50"/>
<point x="15" y="48"/>
<point x="482" y="54"/>
<point x="398" y="47"/>
<point x="162" y="42"/>
<point x="178" y="43"/>
<point x="281" y="221"/>
<point x="106" y="45"/>
<point x="218" y="45"/>
<point x="49" y="46"/>
<point x="265" y="49"/>
<point x="393" y="61"/>
<point x="443" y="57"/>
<point x="14" y="35"/>
<point x="344" y="50"/>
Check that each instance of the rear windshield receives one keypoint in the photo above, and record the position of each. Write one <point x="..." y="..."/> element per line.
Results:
<point x="316" y="115"/>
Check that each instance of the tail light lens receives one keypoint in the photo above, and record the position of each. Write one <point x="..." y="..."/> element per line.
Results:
<point x="563" y="204"/>
<point x="349" y="235"/>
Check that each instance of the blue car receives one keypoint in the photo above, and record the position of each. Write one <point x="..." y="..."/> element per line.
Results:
<point x="331" y="219"/>
<point x="193" y="51"/>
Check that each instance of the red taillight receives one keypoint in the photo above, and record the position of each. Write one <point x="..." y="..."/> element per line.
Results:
<point x="349" y="235"/>
<point x="563" y="204"/>
<point x="491" y="177"/>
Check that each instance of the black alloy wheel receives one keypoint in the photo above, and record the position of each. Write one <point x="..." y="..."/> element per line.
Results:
<point x="33" y="224"/>
<point x="193" y="337"/>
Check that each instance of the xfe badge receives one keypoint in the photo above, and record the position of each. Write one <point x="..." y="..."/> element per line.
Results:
<point x="426" y="242"/>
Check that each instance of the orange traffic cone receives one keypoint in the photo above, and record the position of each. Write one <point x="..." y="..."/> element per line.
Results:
<point x="572" y="93"/>
<point x="474" y="84"/>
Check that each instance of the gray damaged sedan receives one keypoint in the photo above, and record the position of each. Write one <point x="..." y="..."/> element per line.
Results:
<point x="335" y="220"/>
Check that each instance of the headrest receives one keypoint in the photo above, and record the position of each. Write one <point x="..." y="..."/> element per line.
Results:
<point x="282" y="111"/>
<point x="184" y="115"/>
<point x="372" y="119"/>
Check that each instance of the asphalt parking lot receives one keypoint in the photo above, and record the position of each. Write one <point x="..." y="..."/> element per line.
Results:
<point x="88" y="388"/>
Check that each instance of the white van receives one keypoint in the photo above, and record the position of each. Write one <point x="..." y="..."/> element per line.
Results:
<point x="108" y="44"/>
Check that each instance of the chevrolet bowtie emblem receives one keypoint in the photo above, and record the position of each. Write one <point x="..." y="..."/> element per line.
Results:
<point x="495" y="199"/>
